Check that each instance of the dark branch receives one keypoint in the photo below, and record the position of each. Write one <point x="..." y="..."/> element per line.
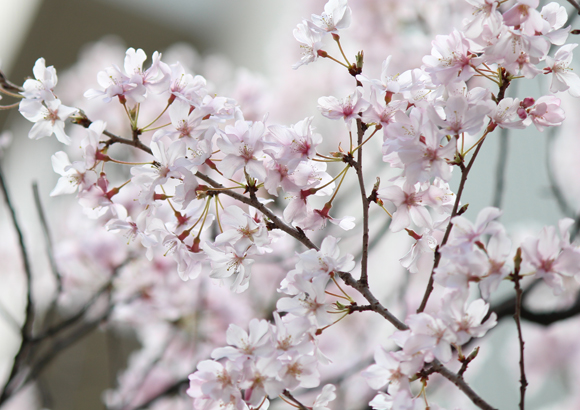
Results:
<point x="462" y="385"/>
<point x="47" y="237"/>
<point x="26" y="329"/>
<point x="289" y="396"/>
<point x="298" y="234"/>
<point x="464" y="174"/>
<point x="82" y="120"/>
<point x="170" y="390"/>
<point x="516" y="279"/>
<point x="575" y="4"/>
<point x="361" y="127"/>
<point x="74" y="319"/>
<point x="507" y="307"/>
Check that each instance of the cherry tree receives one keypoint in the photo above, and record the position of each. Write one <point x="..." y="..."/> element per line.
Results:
<point x="246" y="254"/>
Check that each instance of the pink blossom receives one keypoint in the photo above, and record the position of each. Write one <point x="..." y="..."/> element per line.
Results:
<point x="336" y="16"/>
<point x="450" y="59"/>
<point x="485" y="14"/>
<point x="327" y="395"/>
<point x="349" y="108"/>
<point x="551" y="258"/>
<point x="42" y="87"/>
<point x="562" y="76"/>
<point x="410" y="206"/>
<point x="243" y="146"/>
<point x="231" y="263"/>
<point x="49" y="117"/>
<point x="546" y="112"/>
<point x="244" y="345"/>
<point x="310" y="38"/>
<point x="73" y="176"/>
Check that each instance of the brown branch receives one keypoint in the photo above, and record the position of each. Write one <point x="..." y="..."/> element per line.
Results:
<point x="361" y="286"/>
<point x="74" y="319"/>
<point x="82" y="120"/>
<point x="8" y="86"/>
<point x="359" y="308"/>
<point x="505" y="83"/>
<point x="464" y="174"/>
<point x="516" y="279"/>
<point x="289" y="396"/>
<point x="461" y="384"/>
<point x="361" y="127"/>
<point x="169" y="390"/>
<point x="375" y="305"/>
<point x="296" y="233"/>
<point x="47" y="236"/>
<point x="62" y="344"/>
<point x="26" y="329"/>
<point x="575" y="4"/>
<point x="507" y="307"/>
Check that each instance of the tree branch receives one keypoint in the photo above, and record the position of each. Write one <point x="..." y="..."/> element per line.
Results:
<point x="26" y="329"/>
<point x="461" y="384"/>
<point x="51" y="311"/>
<point x="523" y="381"/>
<point x="81" y="119"/>
<point x="575" y="4"/>
<point x="296" y="233"/>
<point x="464" y="174"/>
<point x="365" y="204"/>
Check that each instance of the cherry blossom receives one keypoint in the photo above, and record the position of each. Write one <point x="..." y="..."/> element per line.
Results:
<point x="450" y="59"/>
<point x="49" y="118"/>
<point x="336" y="16"/>
<point x="551" y="258"/>
<point x="42" y="87"/>
<point x="562" y="76"/>
<point x="349" y="108"/>
<point x="243" y="146"/>
<point x="74" y="176"/>
<point x="545" y="112"/>
<point x="310" y="39"/>
<point x="410" y="206"/>
<point x="485" y="14"/>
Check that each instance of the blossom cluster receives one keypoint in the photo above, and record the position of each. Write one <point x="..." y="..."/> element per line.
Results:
<point x="274" y="358"/>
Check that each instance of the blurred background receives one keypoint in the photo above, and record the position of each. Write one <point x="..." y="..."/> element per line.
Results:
<point x="226" y="36"/>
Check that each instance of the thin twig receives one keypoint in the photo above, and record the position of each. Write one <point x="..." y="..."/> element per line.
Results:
<point x="299" y="405"/>
<point x="505" y="83"/>
<point x="26" y="329"/>
<point x="365" y="205"/>
<point x="171" y="389"/>
<point x="359" y="308"/>
<point x="464" y="174"/>
<point x="575" y="4"/>
<point x="49" y="247"/>
<point x="374" y="303"/>
<point x="74" y="319"/>
<point x="277" y="222"/>
<point x="461" y="384"/>
<point x="516" y="278"/>
<point x="83" y="121"/>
